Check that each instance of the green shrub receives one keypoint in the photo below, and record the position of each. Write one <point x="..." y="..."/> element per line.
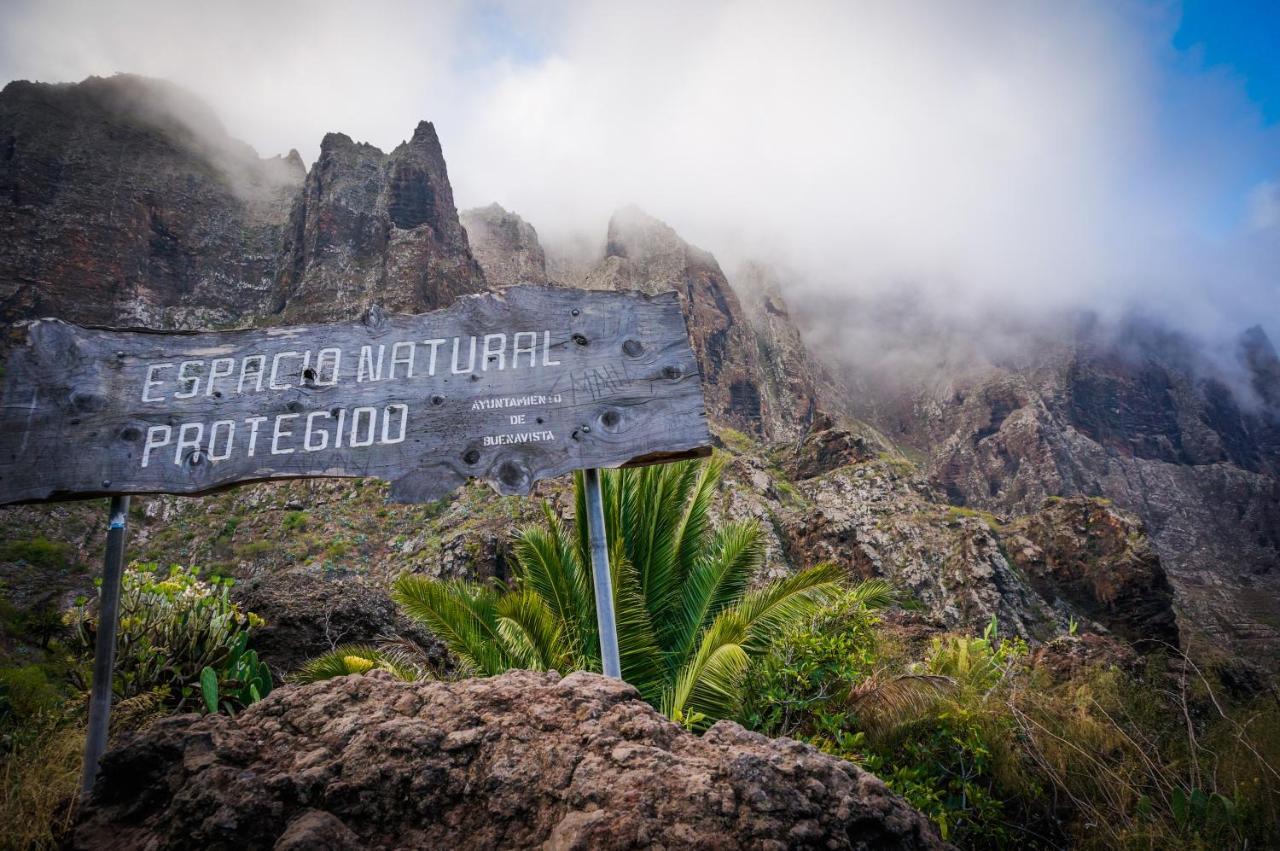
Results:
<point x="26" y="695"/>
<point x="798" y="687"/>
<point x="956" y="761"/>
<point x="931" y="731"/>
<point x="39" y="551"/>
<point x="172" y="626"/>
<point x="253" y="549"/>
<point x="1004" y="752"/>
<point x="295" y="521"/>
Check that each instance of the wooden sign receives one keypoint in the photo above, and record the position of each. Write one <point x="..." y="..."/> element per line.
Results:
<point x="511" y="387"/>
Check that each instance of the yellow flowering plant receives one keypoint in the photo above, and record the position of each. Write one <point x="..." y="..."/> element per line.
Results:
<point x="173" y="625"/>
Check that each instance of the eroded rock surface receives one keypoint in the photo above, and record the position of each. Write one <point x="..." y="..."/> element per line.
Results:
<point x="523" y="760"/>
<point x="373" y="228"/>
<point x="124" y="202"/>
<point x="506" y="246"/>
<point x="643" y="253"/>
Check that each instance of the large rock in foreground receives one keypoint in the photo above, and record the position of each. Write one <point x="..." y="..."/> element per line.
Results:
<point x="517" y="761"/>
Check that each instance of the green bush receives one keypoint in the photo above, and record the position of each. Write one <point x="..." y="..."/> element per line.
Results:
<point x="26" y="695"/>
<point x="253" y="549"/>
<point x="1003" y="751"/>
<point x="39" y="551"/>
<point x="689" y="620"/>
<point x="799" y="687"/>
<point x="956" y="761"/>
<point x="295" y="521"/>
<point x="172" y="626"/>
<point x="925" y="729"/>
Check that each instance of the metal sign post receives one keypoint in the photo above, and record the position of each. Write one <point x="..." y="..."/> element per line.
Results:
<point x="610" y="662"/>
<point x="104" y="651"/>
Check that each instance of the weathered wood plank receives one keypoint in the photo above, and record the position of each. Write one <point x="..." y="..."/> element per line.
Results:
<point x="512" y="387"/>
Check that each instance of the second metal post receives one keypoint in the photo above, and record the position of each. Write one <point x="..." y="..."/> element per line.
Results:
<point x="104" y="653"/>
<point x="603" y="581"/>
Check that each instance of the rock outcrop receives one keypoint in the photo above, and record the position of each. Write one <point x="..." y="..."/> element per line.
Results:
<point x="374" y="228"/>
<point x="506" y="246"/>
<point x="644" y="253"/>
<point x="1141" y="417"/>
<point x="789" y="376"/>
<point x="522" y="760"/>
<point x="1098" y="560"/>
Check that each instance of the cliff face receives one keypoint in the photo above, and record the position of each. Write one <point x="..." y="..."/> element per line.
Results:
<point x="124" y="202"/>
<point x="788" y="386"/>
<point x="743" y="389"/>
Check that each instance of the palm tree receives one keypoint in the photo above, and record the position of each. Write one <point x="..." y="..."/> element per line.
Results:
<point x="688" y="620"/>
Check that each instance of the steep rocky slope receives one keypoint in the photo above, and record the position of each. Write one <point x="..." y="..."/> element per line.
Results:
<point x="518" y="761"/>
<point x="742" y="364"/>
<point x="789" y="385"/>
<point x="124" y="202"/>
<point x="316" y="558"/>
<point x="1002" y="418"/>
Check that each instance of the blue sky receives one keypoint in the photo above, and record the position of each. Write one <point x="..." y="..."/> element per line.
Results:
<point x="1236" y="43"/>
<point x="1241" y="37"/>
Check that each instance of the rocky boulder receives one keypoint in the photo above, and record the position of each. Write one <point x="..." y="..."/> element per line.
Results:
<point x="825" y="447"/>
<point x="308" y="613"/>
<point x="517" y="761"/>
<point x="1099" y="560"/>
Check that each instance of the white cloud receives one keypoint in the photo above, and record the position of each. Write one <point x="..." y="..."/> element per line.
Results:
<point x="1264" y="206"/>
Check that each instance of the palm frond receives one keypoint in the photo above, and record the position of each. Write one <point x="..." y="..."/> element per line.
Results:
<point x="549" y="567"/>
<point x="770" y="610"/>
<point x="691" y="533"/>
<point x="357" y="659"/>
<point x="717" y="581"/>
<point x="871" y="594"/>
<point x="884" y="703"/>
<point x="638" y="650"/>
<point x="460" y="614"/>
<point x="709" y="684"/>
<point x="532" y="633"/>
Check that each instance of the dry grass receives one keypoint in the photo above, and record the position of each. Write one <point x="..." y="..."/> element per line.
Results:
<point x="38" y="787"/>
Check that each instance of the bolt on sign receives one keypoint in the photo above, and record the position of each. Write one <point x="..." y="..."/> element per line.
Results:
<point x="511" y="387"/>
